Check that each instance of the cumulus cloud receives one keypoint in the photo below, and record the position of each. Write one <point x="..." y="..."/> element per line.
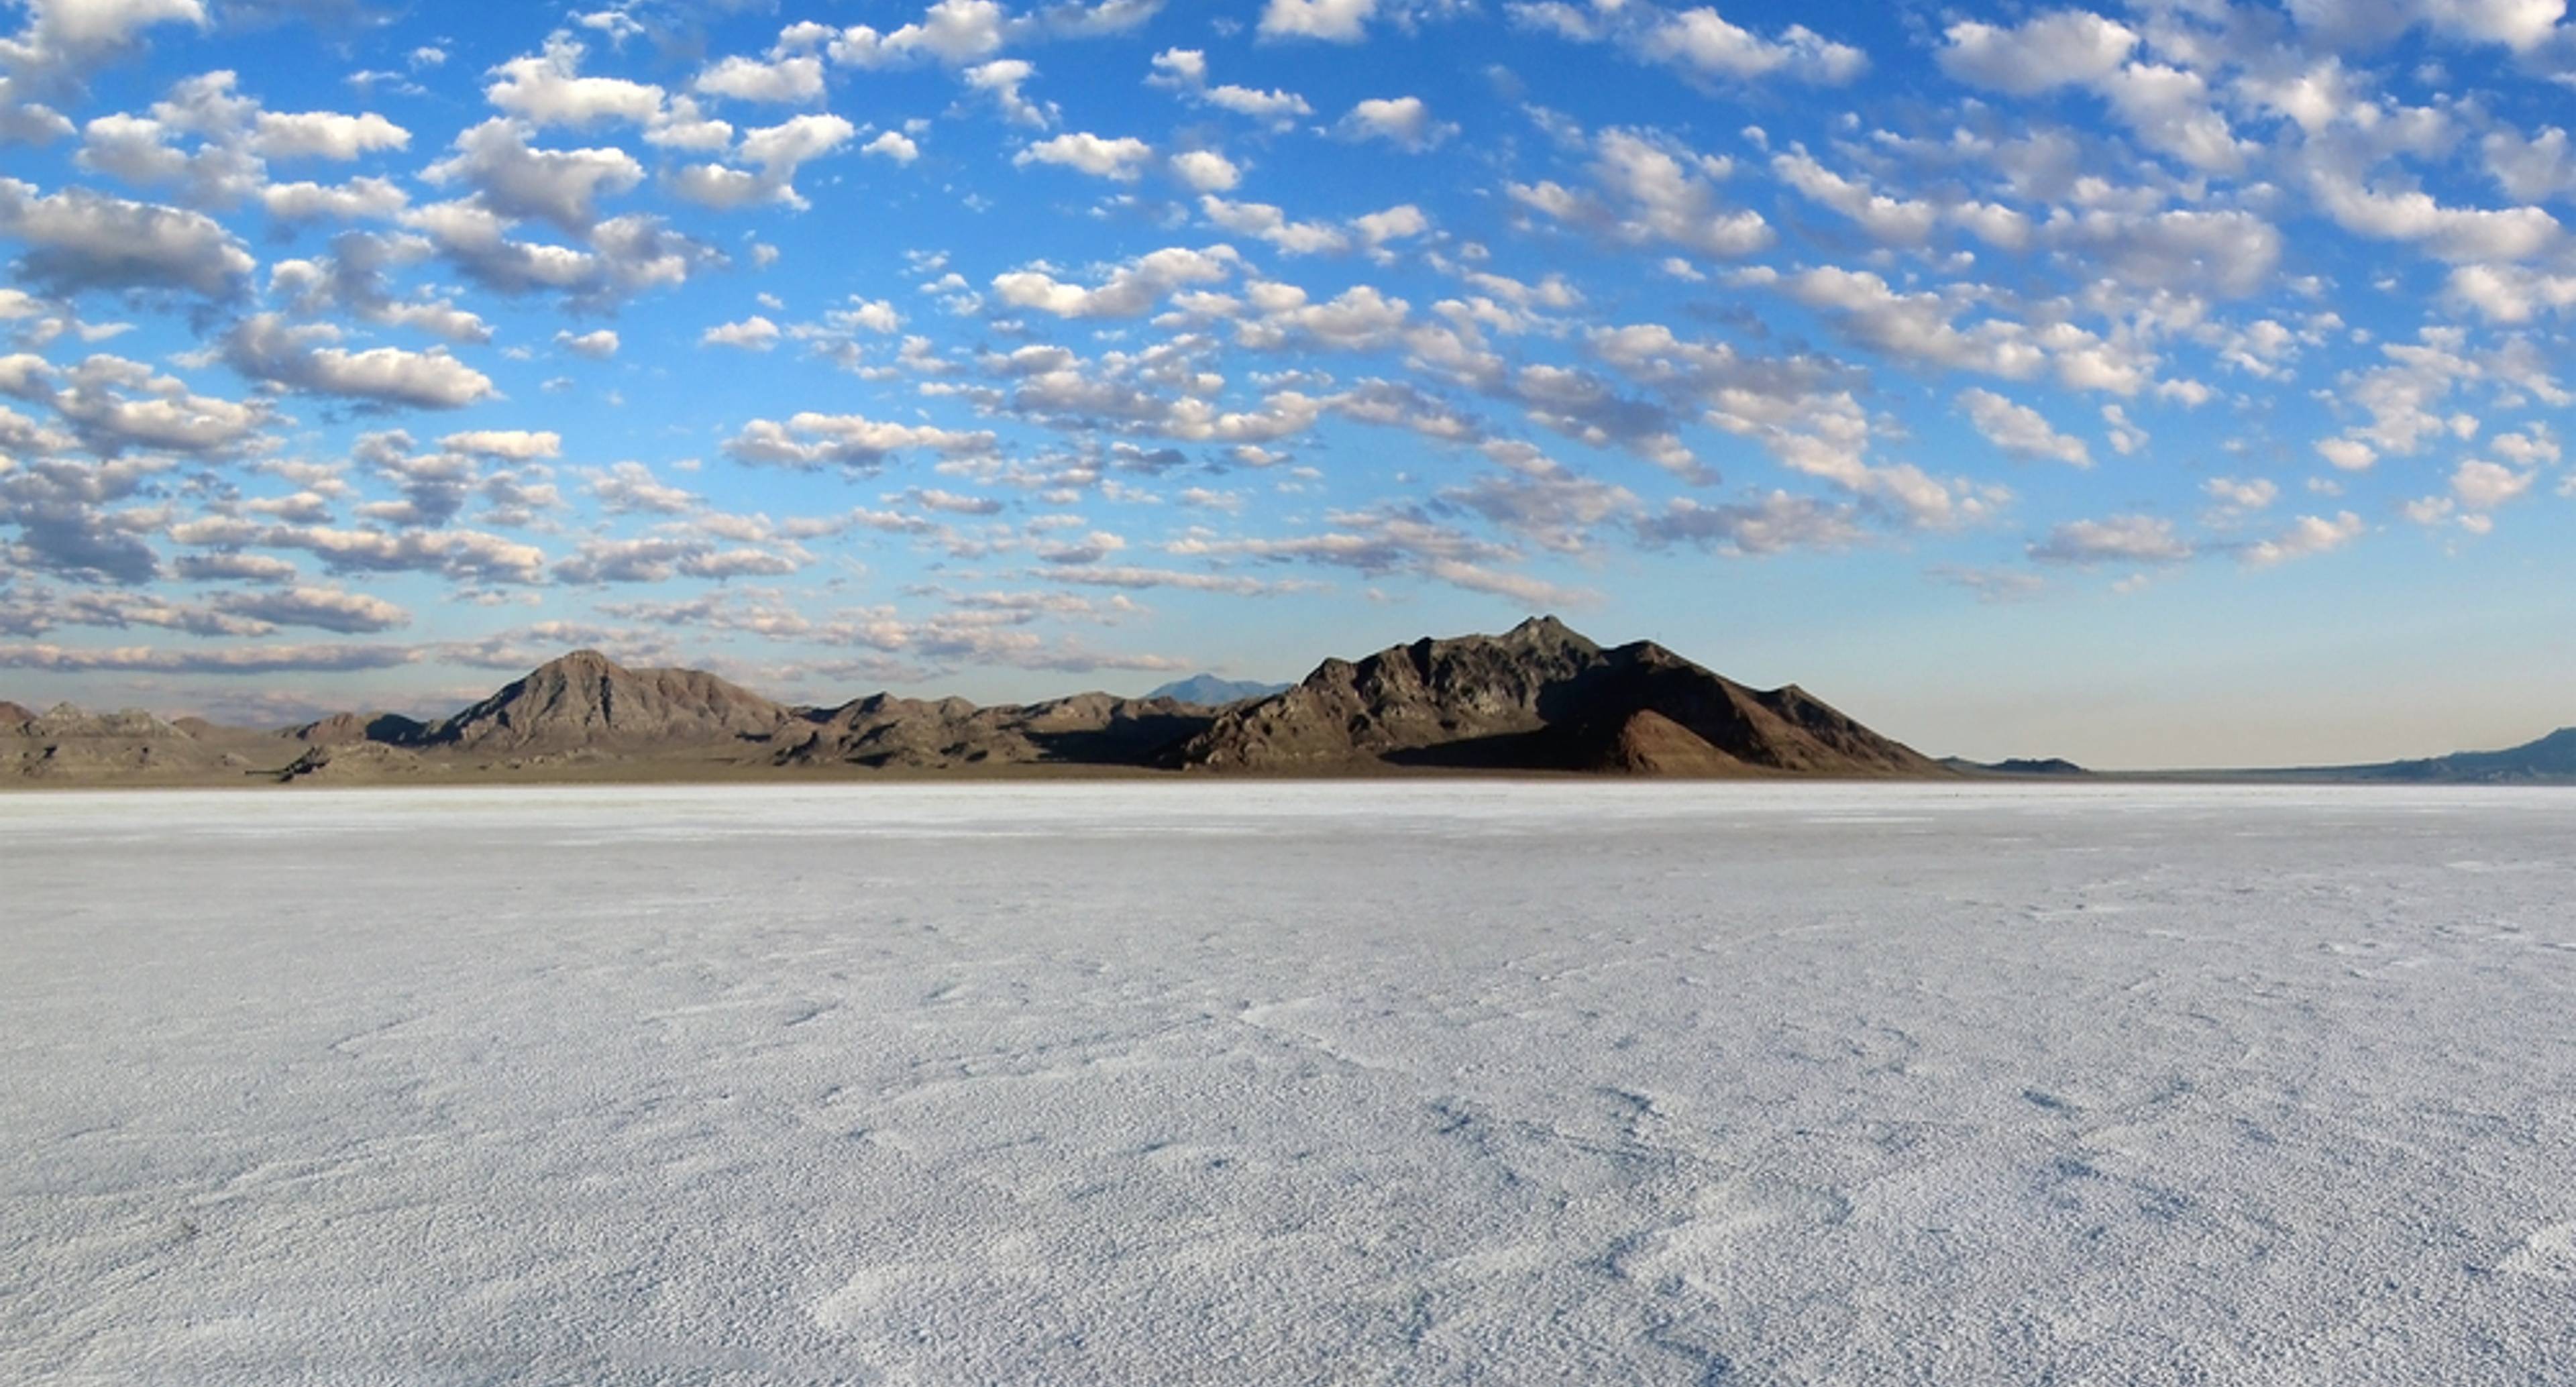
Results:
<point x="1403" y="121"/>
<point x="853" y="442"/>
<point x="2121" y="539"/>
<point x="2020" y="431"/>
<point x="265" y="347"/>
<point x="1120" y="159"/>
<point x="1130" y="290"/>
<point x="79" y="239"/>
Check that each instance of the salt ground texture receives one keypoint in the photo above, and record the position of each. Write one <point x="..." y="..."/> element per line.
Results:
<point x="1323" y="1083"/>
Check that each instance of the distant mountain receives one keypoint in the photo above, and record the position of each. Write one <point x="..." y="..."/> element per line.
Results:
<point x="2023" y="767"/>
<point x="1541" y="697"/>
<point x="1208" y="691"/>
<point x="2551" y="759"/>
<point x="12" y="714"/>
<point x="585" y="701"/>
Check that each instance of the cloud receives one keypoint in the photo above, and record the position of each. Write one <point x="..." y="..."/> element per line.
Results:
<point x="324" y="609"/>
<point x="853" y="442"/>
<point x="1120" y="159"/>
<point x="244" y="660"/>
<point x="598" y="344"/>
<point x="1333" y="21"/>
<point x="1703" y="43"/>
<point x="1206" y="171"/>
<point x="1771" y="524"/>
<point x="2020" y="431"/>
<point x="264" y="347"/>
<point x="2060" y="48"/>
<point x="783" y="81"/>
<point x="1403" y="121"/>
<point x="1653" y="191"/>
<point x="547" y="89"/>
<point x="2121" y="539"/>
<point x="755" y="334"/>
<point x="80" y="239"/>
<point x="1129" y="291"/>
<point x="558" y="186"/>
<point x="2307" y="535"/>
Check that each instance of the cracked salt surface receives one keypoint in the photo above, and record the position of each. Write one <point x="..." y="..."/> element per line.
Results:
<point x="1456" y="1082"/>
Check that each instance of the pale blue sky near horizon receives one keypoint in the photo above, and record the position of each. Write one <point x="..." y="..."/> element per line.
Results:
<point x="2158" y="384"/>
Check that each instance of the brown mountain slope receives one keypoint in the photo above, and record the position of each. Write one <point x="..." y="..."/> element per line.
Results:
<point x="66" y="745"/>
<point x="887" y="732"/>
<point x="12" y="714"/>
<point x="585" y="701"/>
<point x="1542" y="697"/>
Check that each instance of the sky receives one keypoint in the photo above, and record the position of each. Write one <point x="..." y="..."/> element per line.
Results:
<point x="2179" y="383"/>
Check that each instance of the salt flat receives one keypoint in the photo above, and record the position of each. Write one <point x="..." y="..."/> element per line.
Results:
<point x="1323" y="1083"/>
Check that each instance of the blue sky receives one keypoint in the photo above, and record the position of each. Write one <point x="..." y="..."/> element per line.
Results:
<point x="2175" y="383"/>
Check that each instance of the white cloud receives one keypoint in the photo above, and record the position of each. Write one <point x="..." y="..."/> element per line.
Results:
<point x="893" y="144"/>
<point x="1118" y="159"/>
<point x="2057" y="49"/>
<point x="2121" y="539"/>
<point x="784" y="81"/>
<point x="2307" y="535"/>
<point x="811" y="440"/>
<point x="1130" y="291"/>
<point x="1704" y="42"/>
<point x="265" y="348"/>
<point x="1206" y="171"/>
<point x="1335" y="21"/>
<point x="2021" y="431"/>
<point x="547" y="89"/>
<point x="755" y="333"/>
<point x="1403" y="121"/>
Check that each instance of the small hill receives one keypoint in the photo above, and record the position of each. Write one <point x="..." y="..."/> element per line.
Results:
<point x="1208" y="691"/>
<point x="13" y="714"/>
<point x="585" y="701"/>
<point x="1541" y="697"/>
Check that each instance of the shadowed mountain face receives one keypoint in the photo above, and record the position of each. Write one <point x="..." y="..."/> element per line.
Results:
<point x="1542" y="697"/>
<point x="585" y="701"/>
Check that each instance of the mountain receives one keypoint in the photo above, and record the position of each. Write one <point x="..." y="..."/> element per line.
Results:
<point x="888" y="733"/>
<point x="12" y="714"/>
<point x="586" y="702"/>
<point x="2055" y="767"/>
<point x="1208" y="691"/>
<point x="1541" y="697"/>
<point x="70" y="746"/>
<point x="2550" y="759"/>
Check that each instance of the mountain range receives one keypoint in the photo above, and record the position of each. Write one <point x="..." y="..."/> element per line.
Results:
<point x="1540" y="698"/>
